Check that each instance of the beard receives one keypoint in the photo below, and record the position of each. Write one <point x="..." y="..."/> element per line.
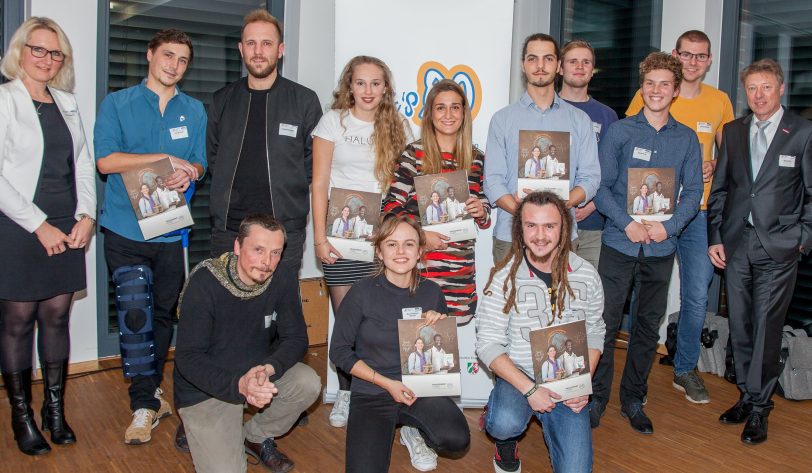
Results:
<point x="543" y="258"/>
<point x="542" y="82"/>
<point x="260" y="73"/>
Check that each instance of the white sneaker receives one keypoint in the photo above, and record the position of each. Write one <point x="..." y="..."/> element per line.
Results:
<point x="423" y="458"/>
<point x="341" y="409"/>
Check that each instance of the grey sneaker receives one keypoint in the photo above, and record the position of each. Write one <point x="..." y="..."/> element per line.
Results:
<point x="422" y="457"/>
<point x="341" y="409"/>
<point x="692" y="385"/>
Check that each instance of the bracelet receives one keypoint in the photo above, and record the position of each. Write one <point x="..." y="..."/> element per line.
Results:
<point x="86" y="216"/>
<point x="532" y="390"/>
<point x="373" y="376"/>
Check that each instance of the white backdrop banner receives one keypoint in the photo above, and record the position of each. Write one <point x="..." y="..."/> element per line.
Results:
<point x="422" y="42"/>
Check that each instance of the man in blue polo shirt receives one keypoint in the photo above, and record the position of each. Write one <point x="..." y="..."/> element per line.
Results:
<point x="539" y="108"/>
<point x="642" y="251"/>
<point x="135" y="127"/>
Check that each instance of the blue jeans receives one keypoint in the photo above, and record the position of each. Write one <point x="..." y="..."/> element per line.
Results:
<point x="695" y="274"/>
<point x="567" y="434"/>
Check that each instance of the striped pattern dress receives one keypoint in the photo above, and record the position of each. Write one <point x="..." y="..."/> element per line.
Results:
<point x="453" y="268"/>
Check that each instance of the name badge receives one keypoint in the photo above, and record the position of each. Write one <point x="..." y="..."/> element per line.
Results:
<point x="642" y="153"/>
<point x="704" y="127"/>
<point x="179" y="132"/>
<point x="410" y="313"/>
<point x="269" y="319"/>
<point x="288" y="130"/>
<point x="786" y="161"/>
<point x="596" y="127"/>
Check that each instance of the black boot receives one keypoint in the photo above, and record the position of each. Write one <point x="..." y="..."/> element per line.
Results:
<point x="54" y="374"/>
<point x="29" y="439"/>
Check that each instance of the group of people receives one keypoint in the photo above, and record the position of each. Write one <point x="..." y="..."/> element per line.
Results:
<point x="241" y="335"/>
<point x="345" y="226"/>
<point x="161" y="199"/>
<point x="654" y="203"/>
<point x="432" y="360"/>
<point x="538" y="166"/>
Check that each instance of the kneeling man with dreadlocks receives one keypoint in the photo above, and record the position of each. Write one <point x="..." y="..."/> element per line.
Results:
<point x="241" y="339"/>
<point x="542" y="283"/>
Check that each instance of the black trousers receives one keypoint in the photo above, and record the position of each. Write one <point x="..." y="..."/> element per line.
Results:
<point x="759" y="291"/>
<point x="223" y="241"/>
<point x="166" y="262"/>
<point x="619" y="273"/>
<point x="372" y="423"/>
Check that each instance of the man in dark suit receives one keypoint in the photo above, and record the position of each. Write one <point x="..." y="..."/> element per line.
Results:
<point x="759" y="221"/>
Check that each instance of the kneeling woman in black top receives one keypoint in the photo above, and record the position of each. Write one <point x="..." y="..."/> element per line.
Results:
<point x="365" y="344"/>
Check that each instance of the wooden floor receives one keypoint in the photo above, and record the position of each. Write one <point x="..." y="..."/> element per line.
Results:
<point x="688" y="438"/>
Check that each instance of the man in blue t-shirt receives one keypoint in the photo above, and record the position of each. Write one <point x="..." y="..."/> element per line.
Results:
<point x="577" y="66"/>
<point x="136" y="127"/>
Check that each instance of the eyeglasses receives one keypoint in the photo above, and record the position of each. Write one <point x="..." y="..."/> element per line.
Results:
<point x="38" y="51"/>
<point x="686" y="56"/>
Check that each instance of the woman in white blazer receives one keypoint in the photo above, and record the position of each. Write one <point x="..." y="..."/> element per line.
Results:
<point x="47" y="210"/>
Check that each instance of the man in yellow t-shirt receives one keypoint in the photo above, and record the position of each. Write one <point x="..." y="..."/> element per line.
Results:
<point x="705" y="110"/>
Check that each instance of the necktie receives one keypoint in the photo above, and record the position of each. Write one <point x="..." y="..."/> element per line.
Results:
<point x="759" y="147"/>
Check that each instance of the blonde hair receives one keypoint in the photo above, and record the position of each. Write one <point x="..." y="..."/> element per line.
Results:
<point x="11" y="68"/>
<point x="261" y="15"/>
<point x="389" y="136"/>
<point x="463" y="145"/>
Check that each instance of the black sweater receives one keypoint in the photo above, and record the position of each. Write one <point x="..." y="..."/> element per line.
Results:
<point x="220" y="336"/>
<point x="366" y="326"/>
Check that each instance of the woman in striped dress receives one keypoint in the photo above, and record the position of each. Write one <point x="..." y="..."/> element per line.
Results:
<point x="355" y="146"/>
<point x="445" y="146"/>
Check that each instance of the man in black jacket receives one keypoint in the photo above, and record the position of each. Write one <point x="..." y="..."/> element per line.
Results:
<point x="759" y="223"/>
<point x="241" y="337"/>
<point x="259" y="145"/>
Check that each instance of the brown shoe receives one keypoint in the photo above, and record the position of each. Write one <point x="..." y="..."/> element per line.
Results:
<point x="166" y="408"/>
<point x="140" y="430"/>
<point x="267" y="454"/>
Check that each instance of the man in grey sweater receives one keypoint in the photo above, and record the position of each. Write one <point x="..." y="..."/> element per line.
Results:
<point x="544" y="283"/>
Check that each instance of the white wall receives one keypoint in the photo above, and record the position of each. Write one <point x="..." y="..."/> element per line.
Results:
<point x="309" y="58"/>
<point x="703" y="15"/>
<point x="78" y="19"/>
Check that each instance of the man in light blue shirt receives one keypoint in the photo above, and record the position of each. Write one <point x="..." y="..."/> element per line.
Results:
<point x="657" y="147"/>
<point x="136" y="127"/>
<point x="540" y="108"/>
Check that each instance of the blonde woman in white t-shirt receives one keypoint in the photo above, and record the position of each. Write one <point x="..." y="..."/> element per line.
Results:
<point x="355" y="146"/>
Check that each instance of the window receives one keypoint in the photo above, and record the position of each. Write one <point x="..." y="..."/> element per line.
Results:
<point x="622" y="34"/>
<point x="781" y="30"/>
<point x="11" y="16"/>
<point x="214" y="26"/>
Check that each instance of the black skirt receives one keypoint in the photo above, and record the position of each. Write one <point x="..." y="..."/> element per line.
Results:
<point x="29" y="274"/>
<point x="346" y="272"/>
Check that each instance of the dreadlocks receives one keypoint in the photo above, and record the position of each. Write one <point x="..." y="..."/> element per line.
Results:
<point x="560" y="285"/>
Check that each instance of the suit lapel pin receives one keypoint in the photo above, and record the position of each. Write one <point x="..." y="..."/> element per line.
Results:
<point x="785" y="130"/>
